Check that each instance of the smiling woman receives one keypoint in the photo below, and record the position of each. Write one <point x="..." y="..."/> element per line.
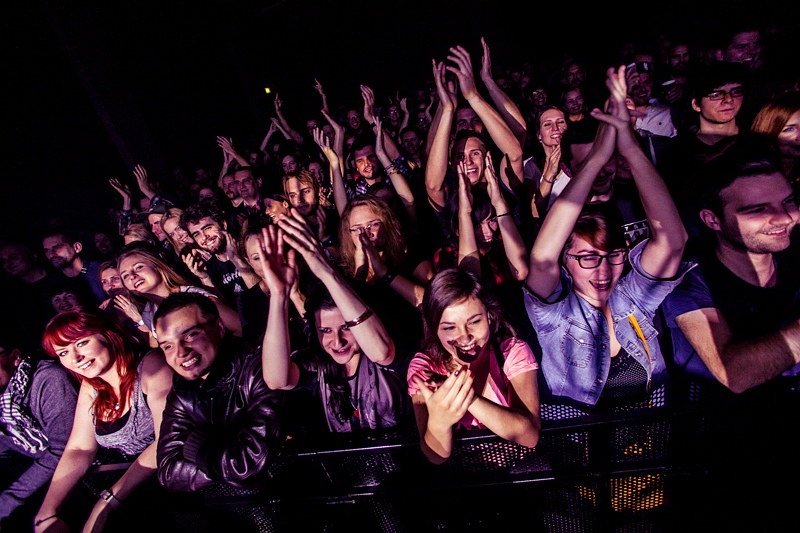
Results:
<point x="149" y="280"/>
<point x="120" y="404"/>
<point x="474" y="373"/>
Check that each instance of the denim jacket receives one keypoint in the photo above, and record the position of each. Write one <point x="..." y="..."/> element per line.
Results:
<point x="574" y="335"/>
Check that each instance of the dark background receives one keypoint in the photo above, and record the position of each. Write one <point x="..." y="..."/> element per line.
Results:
<point x="94" y="88"/>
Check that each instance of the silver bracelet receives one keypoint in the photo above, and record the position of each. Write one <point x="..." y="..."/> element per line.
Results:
<point x="112" y="501"/>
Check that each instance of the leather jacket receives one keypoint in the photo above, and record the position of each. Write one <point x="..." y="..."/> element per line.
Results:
<point x="224" y="429"/>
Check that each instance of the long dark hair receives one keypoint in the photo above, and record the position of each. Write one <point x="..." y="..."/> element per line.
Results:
<point x="125" y="351"/>
<point x="448" y="287"/>
<point x="335" y="376"/>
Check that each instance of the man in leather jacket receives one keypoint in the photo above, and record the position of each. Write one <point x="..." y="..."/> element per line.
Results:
<point x="221" y="424"/>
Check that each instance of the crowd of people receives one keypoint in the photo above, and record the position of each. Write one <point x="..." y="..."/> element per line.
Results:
<point x="458" y="258"/>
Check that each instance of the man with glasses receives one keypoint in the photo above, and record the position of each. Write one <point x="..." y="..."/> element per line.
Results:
<point x="717" y="96"/>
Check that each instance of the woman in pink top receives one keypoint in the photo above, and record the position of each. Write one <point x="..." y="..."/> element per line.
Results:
<point x="473" y="373"/>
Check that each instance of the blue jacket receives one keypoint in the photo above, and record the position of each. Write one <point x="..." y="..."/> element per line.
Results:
<point x="574" y="335"/>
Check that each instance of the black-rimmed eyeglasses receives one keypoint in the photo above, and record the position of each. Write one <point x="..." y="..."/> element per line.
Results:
<point x="719" y="94"/>
<point x="590" y="261"/>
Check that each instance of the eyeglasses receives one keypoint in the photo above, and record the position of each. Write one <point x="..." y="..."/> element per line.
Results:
<point x="719" y="94"/>
<point x="367" y="227"/>
<point x="590" y="261"/>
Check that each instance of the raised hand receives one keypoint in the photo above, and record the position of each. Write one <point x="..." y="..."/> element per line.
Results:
<point x="278" y="104"/>
<point x="141" y="178"/>
<point x="492" y="183"/>
<point x="123" y="189"/>
<point x="299" y="235"/>
<point x="379" y="268"/>
<point x="445" y="93"/>
<point x="404" y="105"/>
<point x="324" y="144"/>
<point x="196" y="263"/>
<point x="318" y="87"/>
<point x="124" y="304"/>
<point x="226" y="145"/>
<point x="450" y="401"/>
<point x="335" y="125"/>
<point x="369" y="102"/>
<point x="463" y="71"/>
<point x="278" y="266"/>
<point x="486" y="61"/>
<point x="380" y="151"/>
<point x="552" y="164"/>
<point x="464" y="189"/>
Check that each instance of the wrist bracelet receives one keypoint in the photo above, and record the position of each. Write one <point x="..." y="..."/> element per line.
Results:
<point x="43" y="520"/>
<point x="364" y="316"/>
<point x="140" y="323"/>
<point x="548" y="181"/>
<point x="112" y="501"/>
<point x="503" y="215"/>
<point x="387" y="278"/>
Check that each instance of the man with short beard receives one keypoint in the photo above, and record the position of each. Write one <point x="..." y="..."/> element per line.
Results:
<point x="225" y="271"/>
<point x="63" y="250"/>
<point x="735" y="320"/>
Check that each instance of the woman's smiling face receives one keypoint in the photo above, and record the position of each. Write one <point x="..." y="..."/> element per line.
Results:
<point x="464" y="329"/>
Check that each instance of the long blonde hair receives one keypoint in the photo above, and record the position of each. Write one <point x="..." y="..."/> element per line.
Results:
<point x="172" y="280"/>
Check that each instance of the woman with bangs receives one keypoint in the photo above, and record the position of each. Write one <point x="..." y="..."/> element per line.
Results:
<point x="592" y="301"/>
<point x="149" y="280"/>
<point x="472" y="371"/>
<point x="120" y="404"/>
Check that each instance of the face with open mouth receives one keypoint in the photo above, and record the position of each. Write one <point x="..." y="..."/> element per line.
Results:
<point x="552" y="126"/>
<point x="190" y="341"/>
<point x="337" y="339"/>
<point x="593" y="284"/>
<point x="88" y="356"/>
<point x="472" y="152"/>
<point x="464" y="330"/>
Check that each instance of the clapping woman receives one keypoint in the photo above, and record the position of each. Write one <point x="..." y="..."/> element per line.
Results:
<point x="472" y="371"/>
<point x="351" y="359"/>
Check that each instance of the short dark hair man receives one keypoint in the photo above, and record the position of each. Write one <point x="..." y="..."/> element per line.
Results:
<point x="63" y="250"/>
<point x="735" y="320"/>
<point x="221" y="423"/>
<point x="225" y="271"/>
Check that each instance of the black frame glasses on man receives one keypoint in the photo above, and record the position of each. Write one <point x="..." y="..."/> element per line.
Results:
<point x="720" y="94"/>
<point x="591" y="261"/>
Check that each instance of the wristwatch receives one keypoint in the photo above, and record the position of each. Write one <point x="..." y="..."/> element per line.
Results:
<point x="110" y="499"/>
<point x="141" y="322"/>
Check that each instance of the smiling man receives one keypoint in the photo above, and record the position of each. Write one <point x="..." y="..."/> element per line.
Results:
<point x="735" y="320"/>
<point x="221" y="424"/>
<point x="226" y="270"/>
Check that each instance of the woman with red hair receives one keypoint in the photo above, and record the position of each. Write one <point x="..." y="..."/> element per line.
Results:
<point x="120" y="403"/>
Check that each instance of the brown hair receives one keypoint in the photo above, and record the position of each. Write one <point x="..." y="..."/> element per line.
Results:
<point x="601" y="226"/>
<point x="395" y="250"/>
<point x="774" y="115"/>
<point x="452" y="286"/>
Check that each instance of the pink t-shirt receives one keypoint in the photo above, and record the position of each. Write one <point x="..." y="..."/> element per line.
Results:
<point x="518" y="359"/>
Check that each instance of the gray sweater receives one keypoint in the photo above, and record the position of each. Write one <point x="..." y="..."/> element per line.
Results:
<point x="51" y="401"/>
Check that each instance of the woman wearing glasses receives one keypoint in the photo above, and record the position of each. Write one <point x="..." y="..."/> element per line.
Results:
<point x="592" y="301"/>
<point x="389" y="272"/>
